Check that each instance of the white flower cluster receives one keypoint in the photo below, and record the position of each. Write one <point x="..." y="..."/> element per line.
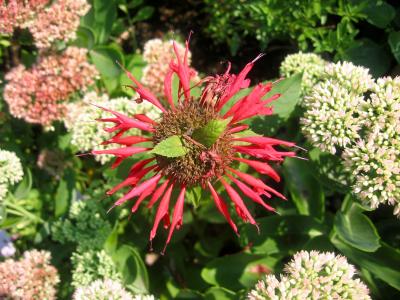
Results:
<point x="11" y="171"/>
<point x="87" y="133"/>
<point x="102" y="290"/>
<point x="375" y="160"/>
<point x="312" y="275"/>
<point x="355" y="79"/>
<point x="332" y="117"/>
<point x="310" y="64"/>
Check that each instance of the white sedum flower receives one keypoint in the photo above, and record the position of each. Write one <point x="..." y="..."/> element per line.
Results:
<point x="355" y="79"/>
<point x="312" y="275"/>
<point x="375" y="165"/>
<point x="88" y="134"/>
<point x="102" y="290"/>
<point x="310" y="64"/>
<point x="331" y="119"/>
<point x="11" y="171"/>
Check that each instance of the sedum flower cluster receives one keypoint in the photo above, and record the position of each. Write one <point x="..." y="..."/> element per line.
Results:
<point x="11" y="171"/>
<point x="332" y="117"/>
<point x="85" y="226"/>
<point x="40" y="94"/>
<point x="310" y="64"/>
<point x="312" y="275"/>
<point x="158" y="54"/>
<point x="32" y="277"/>
<point x="47" y="23"/>
<point x="17" y="13"/>
<point x="374" y="161"/>
<point x="91" y="265"/>
<point x="87" y="134"/>
<point x="331" y="120"/>
<point x="106" y="289"/>
<point x="350" y="114"/>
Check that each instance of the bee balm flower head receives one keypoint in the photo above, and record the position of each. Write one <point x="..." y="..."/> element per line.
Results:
<point x="195" y="143"/>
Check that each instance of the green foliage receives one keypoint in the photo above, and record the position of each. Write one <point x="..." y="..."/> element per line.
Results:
<point x="172" y="146"/>
<point x="209" y="134"/>
<point x="321" y="26"/>
<point x="65" y="212"/>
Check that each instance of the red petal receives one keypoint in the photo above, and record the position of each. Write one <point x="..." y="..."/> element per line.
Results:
<point x="146" y="193"/>
<point x="162" y="211"/>
<point x="240" y="206"/>
<point x="177" y="216"/>
<point x="222" y="207"/>
<point x="262" y="140"/>
<point x="121" y="152"/>
<point x="137" y="190"/>
<point x="157" y="194"/>
<point x="144" y="118"/>
<point x="168" y="87"/>
<point x="261" y="167"/>
<point x="250" y="193"/>
<point x="143" y="93"/>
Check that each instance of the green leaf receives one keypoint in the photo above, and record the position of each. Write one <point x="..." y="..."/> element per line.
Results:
<point x="105" y="13"/>
<point x="110" y="245"/>
<point x="379" y="13"/>
<point x="289" y="89"/>
<point x="235" y="271"/>
<point x="134" y="3"/>
<point x="209" y="134"/>
<point x="64" y="193"/>
<point x="172" y="146"/>
<point x="281" y="231"/>
<point x="383" y="263"/>
<point x="394" y="43"/>
<point x="369" y="54"/>
<point x="104" y="58"/>
<point x="193" y="195"/>
<point x="143" y="14"/>
<point x="355" y="228"/>
<point x="328" y="169"/>
<point x="132" y="268"/>
<point x="85" y="37"/>
<point x="25" y="186"/>
<point x="219" y="293"/>
<point x="306" y="192"/>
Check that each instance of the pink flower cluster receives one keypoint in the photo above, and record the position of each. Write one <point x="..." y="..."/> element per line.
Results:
<point x="58" y="22"/>
<point x="40" y="94"/>
<point x="47" y="24"/>
<point x="18" y="13"/>
<point x="32" y="277"/>
<point x="158" y="54"/>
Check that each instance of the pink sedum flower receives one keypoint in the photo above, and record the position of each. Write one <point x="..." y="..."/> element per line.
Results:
<point x="30" y="278"/>
<point x="203" y="164"/>
<point x="58" y="22"/>
<point x="18" y="13"/>
<point x="48" y="21"/>
<point x="40" y="94"/>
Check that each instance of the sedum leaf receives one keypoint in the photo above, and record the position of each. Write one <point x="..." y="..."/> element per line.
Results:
<point x="170" y="147"/>
<point x="209" y="134"/>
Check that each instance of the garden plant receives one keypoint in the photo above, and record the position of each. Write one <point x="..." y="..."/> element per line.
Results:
<point x="199" y="149"/>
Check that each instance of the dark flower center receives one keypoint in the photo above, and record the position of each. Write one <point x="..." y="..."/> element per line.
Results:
<point x="200" y="164"/>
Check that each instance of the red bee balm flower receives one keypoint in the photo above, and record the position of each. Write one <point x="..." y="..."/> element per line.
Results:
<point x="194" y="143"/>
